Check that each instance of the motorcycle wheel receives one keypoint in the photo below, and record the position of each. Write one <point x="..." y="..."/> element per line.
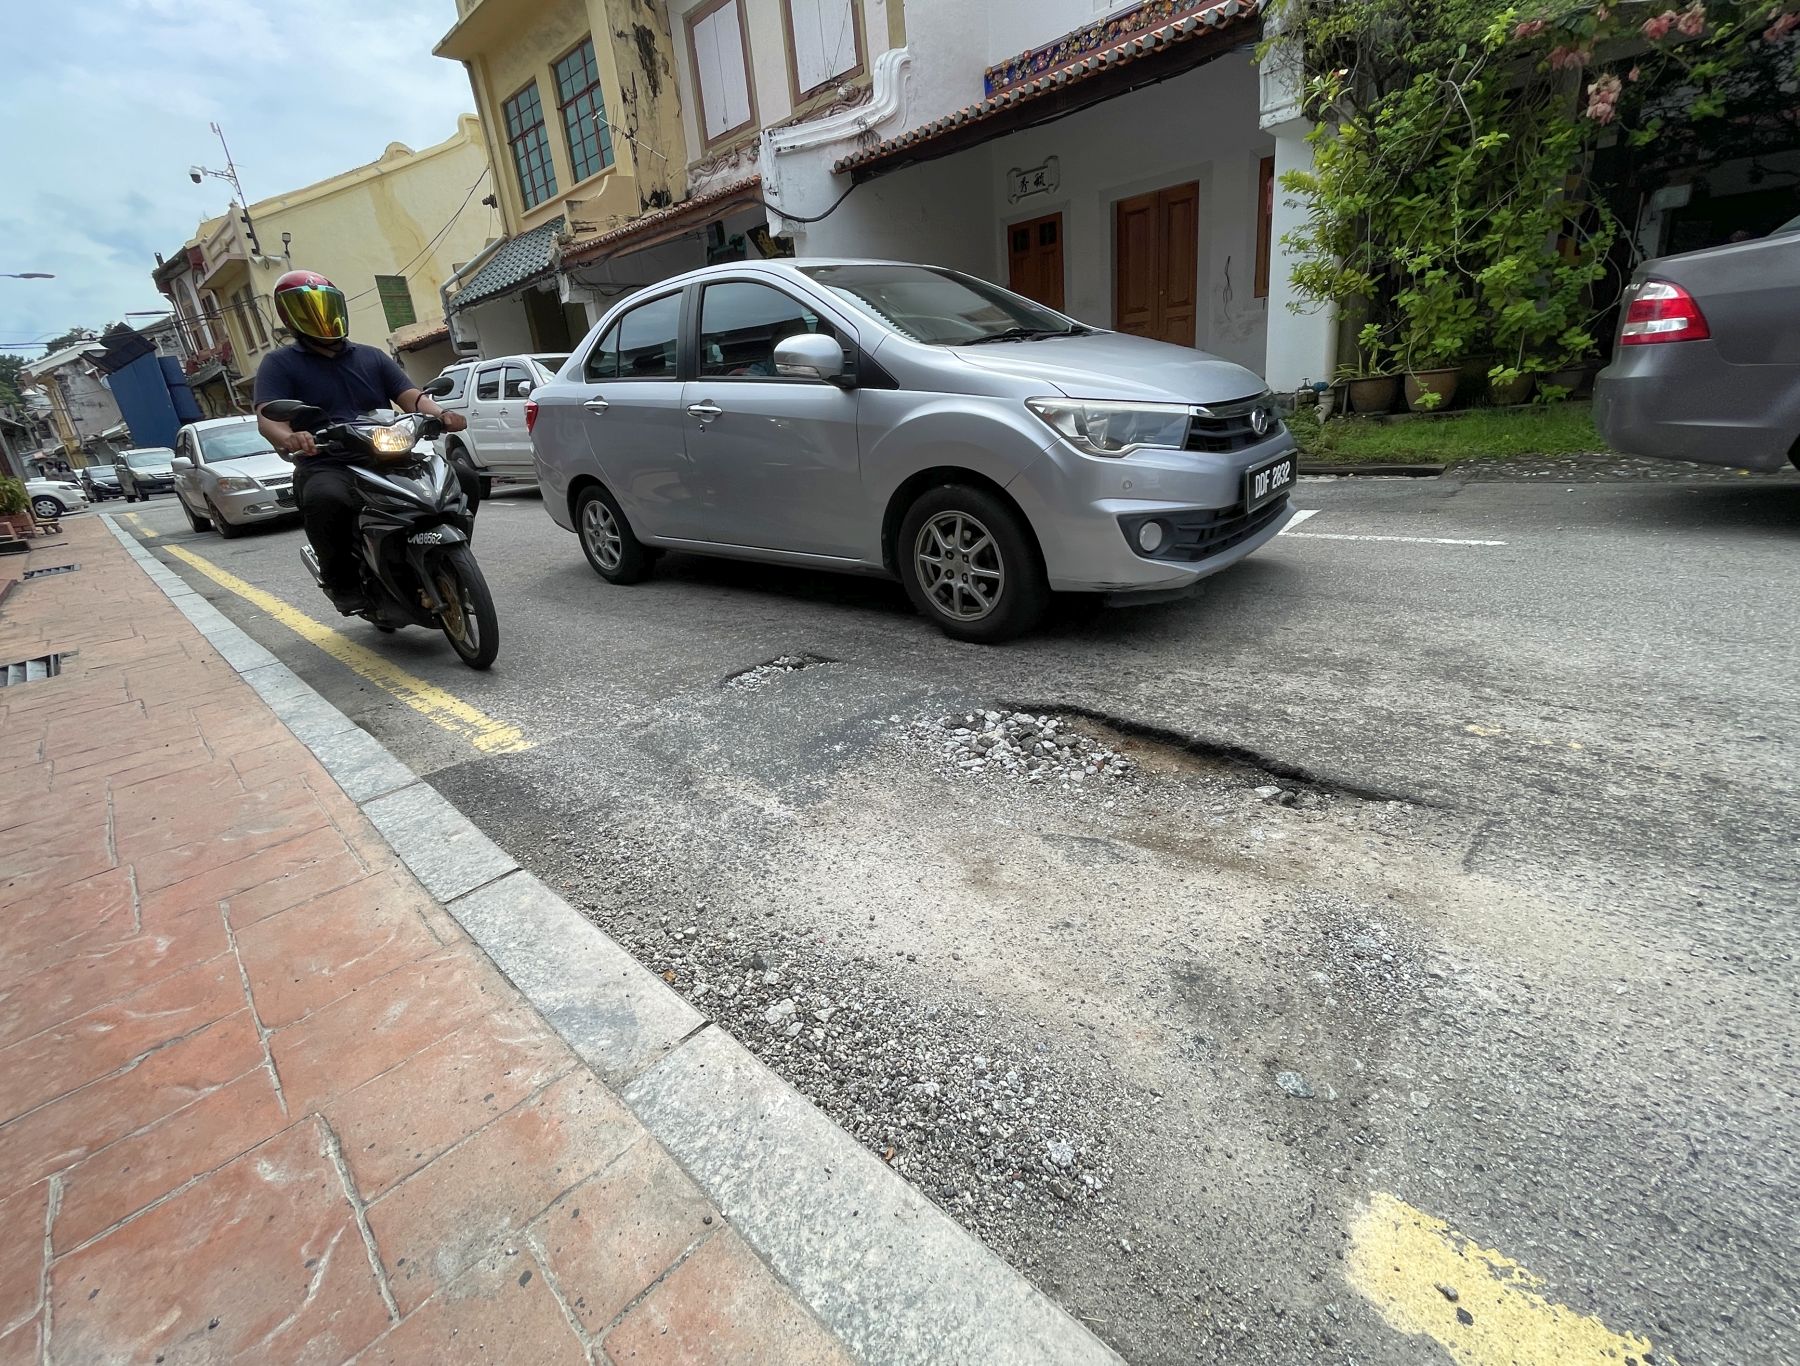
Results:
<point x="470" y="623"/>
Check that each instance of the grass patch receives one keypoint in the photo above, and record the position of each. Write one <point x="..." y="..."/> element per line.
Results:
<point x="1555" y="429"/>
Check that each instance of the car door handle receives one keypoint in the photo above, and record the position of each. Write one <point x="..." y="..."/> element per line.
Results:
<point x="706" y="412"/>
<point x="596" y="405"/>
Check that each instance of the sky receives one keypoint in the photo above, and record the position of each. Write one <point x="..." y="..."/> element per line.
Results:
<point x="110" y="102"/>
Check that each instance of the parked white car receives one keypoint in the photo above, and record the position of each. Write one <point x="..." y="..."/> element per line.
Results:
<point x="227" y="476"/>
<point x="55" y="497"/>
<point x="491" y="394"/>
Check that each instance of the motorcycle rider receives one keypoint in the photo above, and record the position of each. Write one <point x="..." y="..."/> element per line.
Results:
<point x="347" y="380"/>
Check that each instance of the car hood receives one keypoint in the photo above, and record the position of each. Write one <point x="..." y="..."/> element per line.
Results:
<point x="1116" y="365"/>
<point x="266" y="465"/>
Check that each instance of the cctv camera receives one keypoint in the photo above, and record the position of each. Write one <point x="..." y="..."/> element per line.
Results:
<point x="194" y="176"/>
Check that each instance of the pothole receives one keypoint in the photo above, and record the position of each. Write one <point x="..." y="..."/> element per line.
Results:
<point x="761" y="675"/>
<point x="1036" y="746"/>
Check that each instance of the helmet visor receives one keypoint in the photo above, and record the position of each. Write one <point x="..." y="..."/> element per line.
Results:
<point x="317" y="311"/>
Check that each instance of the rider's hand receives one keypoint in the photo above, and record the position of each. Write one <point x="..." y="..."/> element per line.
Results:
<point x="453" y="422"/>
<point x="299" y="444"/>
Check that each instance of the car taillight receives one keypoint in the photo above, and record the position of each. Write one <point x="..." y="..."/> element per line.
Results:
<point x="1662" y="312"/>
<point x="530" y="415"/>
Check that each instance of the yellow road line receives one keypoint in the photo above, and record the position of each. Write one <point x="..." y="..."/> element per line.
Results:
<point x="1404" y="1261"/>
<point x="132" y="517"/>
<point x="432" y="702"/>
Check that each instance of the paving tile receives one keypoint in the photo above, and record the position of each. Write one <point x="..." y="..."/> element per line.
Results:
<point x="256" y="822"/>
<point x="393" y="1125"/>
<point x="94" y="975"/>
<point x="101" y="1041"/>
<point x="608" y="1240"/>
<point x="433" y="1225"/>
<point x="29" y="872"/>
<point x="308" y="956"/>
<point x="721" y="1307"/>
<point x="51" y="1138"/>
<point x="501" y="1310"/>
<point x="126" y="755"/>
<point x="124" y="1177"/>
<point x="361" y="1035"/>
<point x="22" y="1254"/>
<point x="20" y="1347"/>
<point x="266" y="882"/>
<point x="261" y="1259"/>
<point x="39" y="933"/>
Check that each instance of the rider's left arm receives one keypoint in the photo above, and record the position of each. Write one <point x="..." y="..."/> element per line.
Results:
<point x="418" y="401"/>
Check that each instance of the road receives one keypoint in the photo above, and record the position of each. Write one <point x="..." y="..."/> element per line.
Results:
<point x="1511" y="980"/>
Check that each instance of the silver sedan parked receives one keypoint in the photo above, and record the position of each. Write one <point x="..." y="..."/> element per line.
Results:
<point x="903" y="420"/>
<point x="228" y="477"/>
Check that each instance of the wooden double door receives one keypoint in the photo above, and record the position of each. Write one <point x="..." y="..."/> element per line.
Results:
<point x="1034" y="259"/>
<point x="1156" y="260"/>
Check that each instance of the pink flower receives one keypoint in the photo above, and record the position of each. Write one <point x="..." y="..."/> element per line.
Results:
<point x="1530" y="28"/>
<point x="1692" y="22"/>
<point x="1603" y="99"/>
<point x="1568" y="58"/>
<point x="1780" y="29"/>
<point x="1632" y="75"/>
<point x="1658" y="28"/>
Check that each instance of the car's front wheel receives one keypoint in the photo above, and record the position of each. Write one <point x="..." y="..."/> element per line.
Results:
<point x="608" y="540"/>
<point x="223" y="527"/>
<point x="47" y="508"/>
<point x="970" y="563"/>
<point x="196" y="522"/>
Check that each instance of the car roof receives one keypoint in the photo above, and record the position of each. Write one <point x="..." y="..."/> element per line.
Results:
<point x="540" y="356"/>
<point x="209" y="422"/>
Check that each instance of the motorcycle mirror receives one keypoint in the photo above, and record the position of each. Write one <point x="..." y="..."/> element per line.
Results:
<point x="440" y="387"/>
<point x="300" y="416"/>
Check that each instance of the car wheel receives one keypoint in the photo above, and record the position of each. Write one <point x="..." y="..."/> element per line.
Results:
<point x="220" y="525"/>
<point x="47" y="508"/>
<point x="197" y="523"/>
<point x="969" y="562"/>
<point x="607" y="538"/>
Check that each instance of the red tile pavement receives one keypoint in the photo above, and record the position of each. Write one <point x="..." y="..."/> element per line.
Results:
<point x="259" y="1095"/>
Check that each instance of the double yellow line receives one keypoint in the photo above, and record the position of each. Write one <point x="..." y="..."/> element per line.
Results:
<point x="433" y="703"/>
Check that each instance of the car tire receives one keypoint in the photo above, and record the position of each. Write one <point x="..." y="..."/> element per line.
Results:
<point x="607" y="539"/>
<point x="46" y="508"/>
<point x="465" y="464"/>
<point x="196" y="522"/>
<point x="970" y="563"/>
<point x="220" y="525"/>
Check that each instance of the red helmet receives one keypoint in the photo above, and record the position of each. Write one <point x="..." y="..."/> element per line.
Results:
<point x="312" y="306"/>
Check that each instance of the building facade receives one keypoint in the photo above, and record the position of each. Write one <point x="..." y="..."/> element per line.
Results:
<point x="82" y="409"/>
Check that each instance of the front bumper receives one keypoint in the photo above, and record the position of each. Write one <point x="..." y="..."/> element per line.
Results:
<point x="1078" y="506"/>
<point x="255" y="505"/>
<point x="1683" y="401"/>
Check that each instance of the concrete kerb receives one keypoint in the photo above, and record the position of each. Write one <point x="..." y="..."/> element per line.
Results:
<point x="882" y="1267"/>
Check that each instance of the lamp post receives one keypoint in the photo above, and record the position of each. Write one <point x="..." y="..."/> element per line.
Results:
<point x="26" y="275"/>
<point x="230" y="176"/>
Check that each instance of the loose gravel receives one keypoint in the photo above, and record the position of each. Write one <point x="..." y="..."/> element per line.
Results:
<point x="1038" y="748"/>
<point x="754" y="680"/>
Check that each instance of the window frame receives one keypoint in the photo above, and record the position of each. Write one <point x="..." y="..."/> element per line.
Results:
<point x="691" y="21"/>
<point x="513" y="141"/>
<point x="1265" y="224"/>
<point x="855" y="72"/>
<point x="507" y="380"/>
<point x="683" y="331"/>
<point x="498" y="371"/>
<point x="843" y="335"/>
<point x="602" y="138"/>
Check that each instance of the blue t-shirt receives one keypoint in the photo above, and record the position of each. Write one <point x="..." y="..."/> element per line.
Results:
<point x="358" y="380"/>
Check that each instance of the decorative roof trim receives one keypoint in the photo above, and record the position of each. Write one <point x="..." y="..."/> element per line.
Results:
<point x="651" y="225"/>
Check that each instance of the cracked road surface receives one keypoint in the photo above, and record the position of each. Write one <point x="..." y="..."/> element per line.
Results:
<point x="1474" y="1041"/>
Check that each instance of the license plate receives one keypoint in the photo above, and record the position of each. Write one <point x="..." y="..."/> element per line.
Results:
<point x="1268" y="482"/>
<point x="285" y="497"/>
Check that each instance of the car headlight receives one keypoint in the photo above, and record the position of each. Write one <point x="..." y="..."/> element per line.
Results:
<point x="1113" y="429"/>
<point x="236" y="483"/>
<point x="395" y="440"/>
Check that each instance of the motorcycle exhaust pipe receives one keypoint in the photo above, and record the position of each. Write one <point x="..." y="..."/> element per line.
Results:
<point x="311" y="556"/>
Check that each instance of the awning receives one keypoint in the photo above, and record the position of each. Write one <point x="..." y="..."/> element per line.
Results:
<point x="417" y="336"/>
<point x="520" y="261"/>
<point x="650" y="229"/>
<point x="1086" y="76"/>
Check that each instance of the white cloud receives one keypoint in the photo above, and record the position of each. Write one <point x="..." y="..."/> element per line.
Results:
<point x="111" y="104"/>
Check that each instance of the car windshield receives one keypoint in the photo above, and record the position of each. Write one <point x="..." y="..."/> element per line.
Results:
<point x="941" y="307"/>
<point x="148" y="460"/>
<point x="233" y="443"/>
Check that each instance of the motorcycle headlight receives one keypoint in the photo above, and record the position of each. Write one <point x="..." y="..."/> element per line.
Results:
<point x="236" y="483"/>
<point x="1113" y="429"/>
<point x="395" y="440"/>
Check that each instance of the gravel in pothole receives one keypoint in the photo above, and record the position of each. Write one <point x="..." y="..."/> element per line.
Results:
<point x="752" y="680"/>
<point x="1039" y="748"/>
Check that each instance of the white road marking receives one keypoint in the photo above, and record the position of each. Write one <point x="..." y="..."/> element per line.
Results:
<point x="1300" y="515"/>
<point x="1407" y="540"/>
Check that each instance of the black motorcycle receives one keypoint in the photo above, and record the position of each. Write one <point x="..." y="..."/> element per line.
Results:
<point x="412" y="531"/>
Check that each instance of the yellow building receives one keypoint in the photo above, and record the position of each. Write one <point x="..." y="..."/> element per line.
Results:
<point x="579" y="103"/>
<point x="389" y="234"/>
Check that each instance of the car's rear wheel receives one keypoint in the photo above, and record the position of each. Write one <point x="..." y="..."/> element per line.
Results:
<point x="607" y="538"/>
<point x="970" y="563"/>
<point x="223" y="527"/>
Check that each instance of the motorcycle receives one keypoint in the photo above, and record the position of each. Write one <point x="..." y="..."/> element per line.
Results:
<point x="413" y="530"/>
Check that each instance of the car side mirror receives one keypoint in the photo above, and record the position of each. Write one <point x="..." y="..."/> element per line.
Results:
<point x="181" y="462"/>
<point x="440" y="387"/>
<point x="810" y="355"/>
<point x="522" y="388"/>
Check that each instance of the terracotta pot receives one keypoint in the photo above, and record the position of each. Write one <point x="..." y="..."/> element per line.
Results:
<point x="1440" y="382"/>
<point x="1571" y="379"/>
<point x="1373" y="393"/>
<point x="1512" y="392"/>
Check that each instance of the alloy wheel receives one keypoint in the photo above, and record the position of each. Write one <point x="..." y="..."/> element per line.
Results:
<point x="960" y="566"/>
<point x="600" y="531"/>
<point x="458" y="617"/>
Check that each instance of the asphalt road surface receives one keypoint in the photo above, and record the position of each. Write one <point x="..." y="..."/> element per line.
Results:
<point x="1482" y="1049"/>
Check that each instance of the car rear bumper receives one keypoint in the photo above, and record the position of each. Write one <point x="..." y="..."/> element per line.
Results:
<point x="1681" y="401"/>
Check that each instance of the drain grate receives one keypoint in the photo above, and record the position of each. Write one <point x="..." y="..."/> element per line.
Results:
<point x="46" y="573"/>
<point x="30" y="670"/>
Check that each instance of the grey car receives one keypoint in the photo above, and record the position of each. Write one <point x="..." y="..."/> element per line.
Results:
<point x="145" y="470"/>
<point x="903" y="420"/>
<point x="1708" y="360"/>
<point x="229" y="478"/>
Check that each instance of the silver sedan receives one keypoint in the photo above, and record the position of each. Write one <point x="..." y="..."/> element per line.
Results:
<point x="228" y="478"/>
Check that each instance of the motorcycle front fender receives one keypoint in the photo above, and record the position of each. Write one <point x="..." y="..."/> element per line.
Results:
<point x="424" y="546"/>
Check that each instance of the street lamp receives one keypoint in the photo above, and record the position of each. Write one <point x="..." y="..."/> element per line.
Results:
<point x="27" y="275"/>
<point x="230" y="176"/>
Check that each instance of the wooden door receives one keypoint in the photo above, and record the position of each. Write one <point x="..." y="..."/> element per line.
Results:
<point x="1156" y="264"/>
<point x="1034" y="258"/>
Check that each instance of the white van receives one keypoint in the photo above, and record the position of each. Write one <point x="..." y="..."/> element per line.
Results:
<point x="491" y="394"/>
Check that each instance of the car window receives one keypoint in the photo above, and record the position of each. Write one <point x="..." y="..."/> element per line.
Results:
<point x="938" y="307"/>
<point x="459" y="381"/>
<point x="740" y="322"/>
<point x="517" y="376"/>
<point x="233" y="443"/>
<point x="487" y="384"/>
<point x="640" y="345"/>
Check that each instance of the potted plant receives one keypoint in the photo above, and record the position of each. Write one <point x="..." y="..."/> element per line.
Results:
<point x="1509" y="386"/>
<point x="15" y="508"/>
<point x="1437" y="324"/>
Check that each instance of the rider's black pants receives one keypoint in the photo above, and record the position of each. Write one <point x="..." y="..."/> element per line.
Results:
<point x="328" y="503"/>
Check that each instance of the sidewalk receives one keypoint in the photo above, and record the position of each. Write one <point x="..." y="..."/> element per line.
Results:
<point x="260" y="1094"/>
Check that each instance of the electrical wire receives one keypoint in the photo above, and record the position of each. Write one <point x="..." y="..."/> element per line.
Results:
<point x="432" y="245"/>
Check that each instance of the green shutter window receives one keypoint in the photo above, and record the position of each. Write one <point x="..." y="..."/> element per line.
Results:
<point x="396" y="301"/>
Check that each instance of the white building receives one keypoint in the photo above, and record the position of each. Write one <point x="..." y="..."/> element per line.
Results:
<point x="1119" y="162"/>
